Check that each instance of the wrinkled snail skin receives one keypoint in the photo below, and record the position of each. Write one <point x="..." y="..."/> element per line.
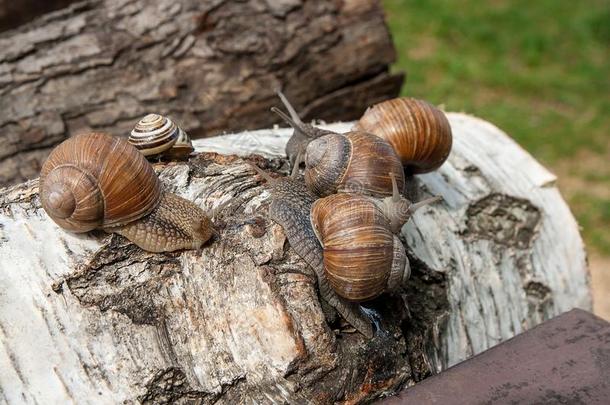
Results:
<point x="303" y="133"/>
<point x="97" y="181"/>
<point x="290" y="208"/>
<point x="419" y="132"/>
<point x="175" y="224"/>
<point x="158" y="136"/>
<point x="353" y="162"/>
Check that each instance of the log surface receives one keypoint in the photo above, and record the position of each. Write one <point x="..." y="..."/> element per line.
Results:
<point x="93" y="319"/>
<point x="211" y="65"/>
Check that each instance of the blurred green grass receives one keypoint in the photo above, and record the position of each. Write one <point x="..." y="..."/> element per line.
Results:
<point x="539" y="70"/>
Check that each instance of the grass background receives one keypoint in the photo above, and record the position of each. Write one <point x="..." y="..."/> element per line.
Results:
<point x="539" y="70"/>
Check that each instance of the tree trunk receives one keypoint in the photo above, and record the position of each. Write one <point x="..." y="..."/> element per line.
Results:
<point x="211" y="65"/>
<point x="92" y="318"/>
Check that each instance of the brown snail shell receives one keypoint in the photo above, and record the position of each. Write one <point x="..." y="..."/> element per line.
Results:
<point x="357" y="162"/>
<point x="99" y="181"/>
<point x="419" y="132"/>
<point x="362" y="257"/>
<point x="88" y="182"/>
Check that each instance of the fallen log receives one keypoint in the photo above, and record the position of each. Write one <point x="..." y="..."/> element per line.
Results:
<point x="88" y="317"/>
<point x="211" y="65"/>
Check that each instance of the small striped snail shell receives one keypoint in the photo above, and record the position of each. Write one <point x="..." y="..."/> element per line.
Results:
<point x="353" y="162"/>
<point x="97" y="181"/>
<point x="156" y="135"/>
<point x="419" y="132"/>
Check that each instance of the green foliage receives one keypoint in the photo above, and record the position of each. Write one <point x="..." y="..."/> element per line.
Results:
<point x="540" y="70"/>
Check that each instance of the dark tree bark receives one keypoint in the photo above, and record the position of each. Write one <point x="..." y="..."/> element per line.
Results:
<point x="211" y="65"/>
<point x="15" y="13"/>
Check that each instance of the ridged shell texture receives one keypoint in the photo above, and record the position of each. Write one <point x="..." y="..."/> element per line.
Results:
<point x="97" y="181"/>
<point x="358" y="247"/>
<point x="419" y="132"/>
<point x="356" y="162"/>
<point x="154" y="134"/>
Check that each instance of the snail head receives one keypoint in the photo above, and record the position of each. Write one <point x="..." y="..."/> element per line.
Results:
<point x="398" y="209"/>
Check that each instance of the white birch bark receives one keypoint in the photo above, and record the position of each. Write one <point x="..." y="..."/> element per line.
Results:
<point x="92" y="319"/>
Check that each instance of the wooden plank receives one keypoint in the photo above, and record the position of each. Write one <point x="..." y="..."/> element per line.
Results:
<point x="562" y="361"/>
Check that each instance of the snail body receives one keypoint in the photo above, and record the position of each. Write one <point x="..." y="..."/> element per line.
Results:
<point x="158" y="136"/>
<point x="97" y="181"/>
<point x="181" y="149"/>
<point x="348" y="239"/>
<point x="303" y="133"/>
<point x="419" y="132"/>
<point x="291" y="203"/>
<point x="353" y="162"/>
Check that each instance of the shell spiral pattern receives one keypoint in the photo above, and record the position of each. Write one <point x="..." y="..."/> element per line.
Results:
<point x="154" y="134"/>
<point x="359" y="249"/>
<point x="355" y="162"/>
<point x="97" y="181"/>
<point x="419" y="132"/>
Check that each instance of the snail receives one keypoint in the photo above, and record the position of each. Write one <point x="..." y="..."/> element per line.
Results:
<point x="97" y="181"/>
<point x="419" y="132"/>
<point x="362" y="257"/>
<point x="181" y="149"/>
<point x="303" y="133"/>
<point x="158" y="136"/>
<point x="368" y="258"/>
<point x="353" y="162"/>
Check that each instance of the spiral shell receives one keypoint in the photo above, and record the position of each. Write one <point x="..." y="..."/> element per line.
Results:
<point x="356" y="162"/>
<point x="360" y="253"/>
<point x="419" y="132"/>
<point x="154" y="134"/>
<point x="97" y="181"/>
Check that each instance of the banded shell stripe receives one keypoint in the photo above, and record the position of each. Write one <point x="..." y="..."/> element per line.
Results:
<point x="154" y="134"/>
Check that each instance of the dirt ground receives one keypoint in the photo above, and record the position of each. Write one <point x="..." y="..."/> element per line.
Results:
<point x="584" y="184"/>
<point x="600" y="284"/>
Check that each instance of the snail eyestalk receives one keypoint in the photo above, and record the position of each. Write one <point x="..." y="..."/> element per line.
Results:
<point x="395" y="192"/>
<point x="297" y="126"/>
<point x="414" y="207"/>
<point x="396" y="207"/>
<point x="290" y="108"/>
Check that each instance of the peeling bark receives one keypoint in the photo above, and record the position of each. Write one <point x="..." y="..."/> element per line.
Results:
<point x="88" y="317"/>
<point x="211" y="65"/>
